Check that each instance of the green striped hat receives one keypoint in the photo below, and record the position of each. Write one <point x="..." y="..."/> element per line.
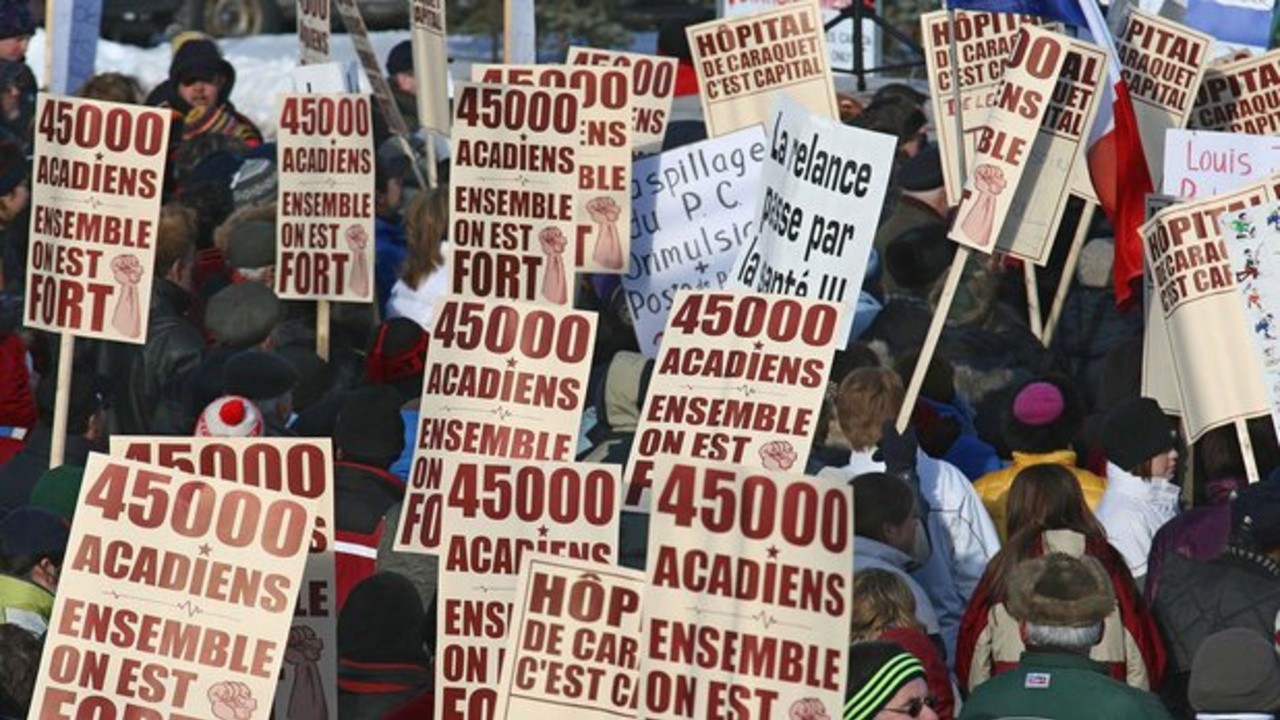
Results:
<point x="876" y="672"/>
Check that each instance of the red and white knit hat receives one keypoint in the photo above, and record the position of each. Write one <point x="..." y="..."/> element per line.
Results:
<point x="230" y="416"/>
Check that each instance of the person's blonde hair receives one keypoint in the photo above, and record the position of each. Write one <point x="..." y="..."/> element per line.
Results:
<point x="112" y="87"/>
<point x="881" y="600"/>
<point x="866" y="399"/>
<point x="426" y="223"/>
<point x="175" y="236"/>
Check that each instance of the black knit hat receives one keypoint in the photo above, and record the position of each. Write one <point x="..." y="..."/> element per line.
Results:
<point x="1255" y="517"/>
<point x="382" y="621"/>
<point x="918" y="257"/>
<point x="923" y="171"/>
<point x="199" y="59"/>
<point x="258" y="375"/>
<point x="397" y="356"/>
<point x="877" y="670"/>
<point x="16" y="19"/>
<point x="400" y="59"/>
<point x="1135" y="431"/>
<point x="369" y="428"/>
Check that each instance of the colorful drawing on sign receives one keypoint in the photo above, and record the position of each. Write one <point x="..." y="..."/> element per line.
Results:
<point x="1252" y="239"/>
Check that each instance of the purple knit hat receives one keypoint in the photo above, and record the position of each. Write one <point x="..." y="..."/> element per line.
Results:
<point x="1038" y="404"/>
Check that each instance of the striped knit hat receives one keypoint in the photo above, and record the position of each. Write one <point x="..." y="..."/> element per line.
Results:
<point x="877" y="670"/>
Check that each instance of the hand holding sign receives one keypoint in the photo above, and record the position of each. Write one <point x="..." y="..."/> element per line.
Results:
<point x="127" y="318"/>
<point x="554" y="286"/>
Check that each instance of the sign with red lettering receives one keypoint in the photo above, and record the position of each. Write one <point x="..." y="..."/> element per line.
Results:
<point x="313" y="32"/>
<point x="302" y="469"/>
<point x="514" y="157"/>
<point x="1002" y="150"/>
<point x="175" y="597"/>
<point x="573" y="649"/>
<point x="983" y="42"/>
<point x="840" y="40"/>
<point x="95" y="202"/>
<point x="324" y="221"/>
<point x="359" y="34"/>
<point x="1218" y="373"/>
<point x="603" y="198"/>
<point x="1162" y="63"/>
<point x="495" y="512"/>
<point x="824" y="187"/>
<point x="740" y="379"/>
<point x="1240" y="96"/>
<point x="430" y="63"/>
<point x="504" y="380"/>
<point x="748" y="594"/>
<point x="742" y="62"/>
<point x="653" y="86"/>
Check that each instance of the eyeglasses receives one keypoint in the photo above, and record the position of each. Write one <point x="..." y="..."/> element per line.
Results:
<point x="916" y="706"/>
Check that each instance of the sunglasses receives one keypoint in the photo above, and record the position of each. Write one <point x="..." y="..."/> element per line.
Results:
<point x="915" y="706"/>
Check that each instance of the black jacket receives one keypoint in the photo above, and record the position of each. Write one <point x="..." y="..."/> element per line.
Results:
<point x="24" y="470"/>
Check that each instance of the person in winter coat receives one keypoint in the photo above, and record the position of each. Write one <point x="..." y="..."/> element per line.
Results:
<point x="199" y="90"/>
<point x="1061" y="603"/>
<point x="425" y="273"/>
<point x="389" y="250"/>
<point x="885" y="682"/>
<point x="383" y="669"/>
<point x="15" y="216"/>
<point x="32" y="544"/>
<point x="1047" y="513"/>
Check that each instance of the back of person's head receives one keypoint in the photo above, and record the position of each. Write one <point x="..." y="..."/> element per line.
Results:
<point x="878" y="671"/>
<point x="175" y="237"/>
<point x="19" y="668"/>
<point x="1255" y="518"/>
<point x="29" y="536"/>
<point x="369" y="429"/>
<point x="1235" y="671"/>
<point x="1048" y="497"/>
<point x="939" y="378"/>
<point x="58" y="491"/>
<point x="396" y="356"/>
<point x="383" y="622"/>
<point x="1060" y="600"/>
<point x="426" y="225"/>
<point x="884" y="602"/>
<point x="243" y="314"/>
<point x="112" y="87"/>
<point x="917" y="257"/>
<point x="866" y="399"/>
<point x="1044" y="415"/>
<point x="880" y="500"/>
<point x="1135" y="431"/>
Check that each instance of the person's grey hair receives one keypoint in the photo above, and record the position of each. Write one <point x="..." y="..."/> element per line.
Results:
<point x="1067" y="638"/>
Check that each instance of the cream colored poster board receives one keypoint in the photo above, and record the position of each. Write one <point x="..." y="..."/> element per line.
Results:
<point x="430" y="63"/>
<point x="313" y="31"/>
<point x="1240" y="96"/>
<point x="653" y="85"/>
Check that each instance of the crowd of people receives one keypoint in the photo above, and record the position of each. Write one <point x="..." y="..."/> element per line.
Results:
<point x="1041" y="542"/>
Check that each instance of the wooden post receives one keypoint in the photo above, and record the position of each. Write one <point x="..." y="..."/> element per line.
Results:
<point x="322" y="329"/>
<point x="1068" y="272"/>
<point x="431" y="161"/>
<point x="1034" y="318"/>
<point x="1246" y="449"/>
<point x="66" y="353"/>
<point x="931" y="338"/>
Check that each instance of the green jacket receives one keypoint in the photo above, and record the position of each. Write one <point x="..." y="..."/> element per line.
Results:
<point x="25" y="604"/>
<point x="1060" y="686"/>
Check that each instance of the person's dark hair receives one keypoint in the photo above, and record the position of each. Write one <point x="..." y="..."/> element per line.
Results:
<point x="880" y="499"/>
<point x="19" y="666"/>
<point x="1218" y="452"/>
<point x="1056" y="435"/>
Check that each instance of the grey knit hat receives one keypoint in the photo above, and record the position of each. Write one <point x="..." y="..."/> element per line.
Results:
<point x="1235" y="671"/>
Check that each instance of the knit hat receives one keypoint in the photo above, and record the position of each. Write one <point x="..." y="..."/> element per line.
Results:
<point x="923" y="171"/>
<point x="58" y="490"/>
<point x="198" y="59"/>
<point x="230" y="416"/>
<point x="1093" y="269"/>
<point x="255" y="182"/>
<point x="1255" y="517"/>
<point x="16" y="19"/>
<point x="1043" y="414"/>
<point x="1235" y="671"/>
<point x="877" y="670"/>
<point x="918" y="257"/>
<point x="13" y="166"/>
<point x="1059" y="590"/>
<point x="369" y="427"/>
<point x="252" y="246"/>
<point x="33" y="532"/>
<point x="243" y="314"/>
<point x="1038" y="403"/>
<point x="400" y="59"/>
<point x="900" y="91"/>
<point x="258" y="375"/>
<point x="1135" y="431"/>
<point x="397" y="356"/>
<point x="314" y="374"/>
<point x="382" y="621"/>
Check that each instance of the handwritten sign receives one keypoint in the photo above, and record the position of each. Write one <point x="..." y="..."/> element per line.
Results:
<point x="313" y="32"/>
<point x="1200" y="163"/>
<point x="653" y="85"/>
<point x="1240" y="96"/>
<point x="431" y="63"/>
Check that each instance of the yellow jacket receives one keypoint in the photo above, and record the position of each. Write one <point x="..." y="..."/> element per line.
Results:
<point x="993" y="487"/>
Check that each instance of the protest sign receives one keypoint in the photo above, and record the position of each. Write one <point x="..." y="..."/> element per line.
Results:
<point x="95" y="200"/>
<point x="1252" y="237"/>
<point x="495" y="512"/>
<point x="823" y="189"/>
<point x="839" y="38"/>
<point x="505" y="380"/>
<point x="513" y="209"/>
<point x="313" y="32"/>
<point x="748" y="596"/>
<point x="1002" y="149"/>
<point x="1200" y="163"/>
<point x="573" y="649"/>
<point x="1219" y="378"/>
<point x="324" y="221"/>
<point x="740" y="378"/>
<point x="70" y="61"/>
<point x="742" y="62"/>
<point x="1242" y="96"/>
<point x="431" y="63"/>
<point x="1162" y="63"/>
<point x="1159" y="381"/>
<point x="653" y="85"/>
<point x="302" y="469"/>
<point x="175" y="597"/>
<point x="983" y="42"/>
<point x="603" y="160"/>
<point x="359" y="33"/>
<point x="1059" y="149"/>
<point x="693" y="209"/>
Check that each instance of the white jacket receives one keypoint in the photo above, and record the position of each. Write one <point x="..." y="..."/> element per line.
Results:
<point x="869" y="553"/>
<point x="1132" y="510"/>
<point x="418" y="303"/>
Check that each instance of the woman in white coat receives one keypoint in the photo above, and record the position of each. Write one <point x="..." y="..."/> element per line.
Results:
<point x="425" y="275"/>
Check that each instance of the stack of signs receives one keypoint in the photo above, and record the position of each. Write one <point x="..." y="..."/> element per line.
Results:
<point x="603" y="161"/>
<point x="503" y="380"/>
<point x="1240" y="96"/>
<point x="325" y="208"/>
<point x="741" y="62"/>
<point x="824" y="187"/>
<point x="1200" y="163"/>
<point x="748" y="596"/>
<point x="495" y="512"/>
<point x="175" y="598"/>
<point x="653" y="85"/>
<point x="1252" y="237"/>
<point x="693" y="210"/>
<point x="313" y="32"/>
<point x="303" y="470"/>
<point x="431" y="63"/>
<point x="1217" y="373"/>
<point x="95" y="197"/>
<point x="740" y="379"/>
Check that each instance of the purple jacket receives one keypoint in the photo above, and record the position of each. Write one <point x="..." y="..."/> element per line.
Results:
<point x="1199" y="534"/>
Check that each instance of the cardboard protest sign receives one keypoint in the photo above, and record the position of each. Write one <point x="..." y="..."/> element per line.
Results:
<point x="740" y="379"/>
<point x="1058" y="150"/>
<point x="1002" y="150"/>
<point x="496" y="512"/>
<point x="573" y="645"/>
<point x="1162" y="63"/>
<point x="504" y="380"/>
<point x="748" y="596"/>
<point x="431" y="63"/>
<point x="840" y="39"/>
<point x="175" y="597"/>
<point x="1159" y="381"/>
<point x="324" y="220"/>
<point x="1240" y="96"/>
<point x="742" y="62"/>
<point x="653" y="85"/>
<point x="1218" y="375"/>
<point x="302" y="469"/>
<point x="983" y="43"/>
<point x="313" y="31"/>
<point x="359" y="33"/>
<point x="603" y="160"/>
<point x="1252" y="237"/>
<point x="694" y="209"/>
<point x="823" y="189"/>
<point x="1200" y="163"/>
<point x="95" y="201"/>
